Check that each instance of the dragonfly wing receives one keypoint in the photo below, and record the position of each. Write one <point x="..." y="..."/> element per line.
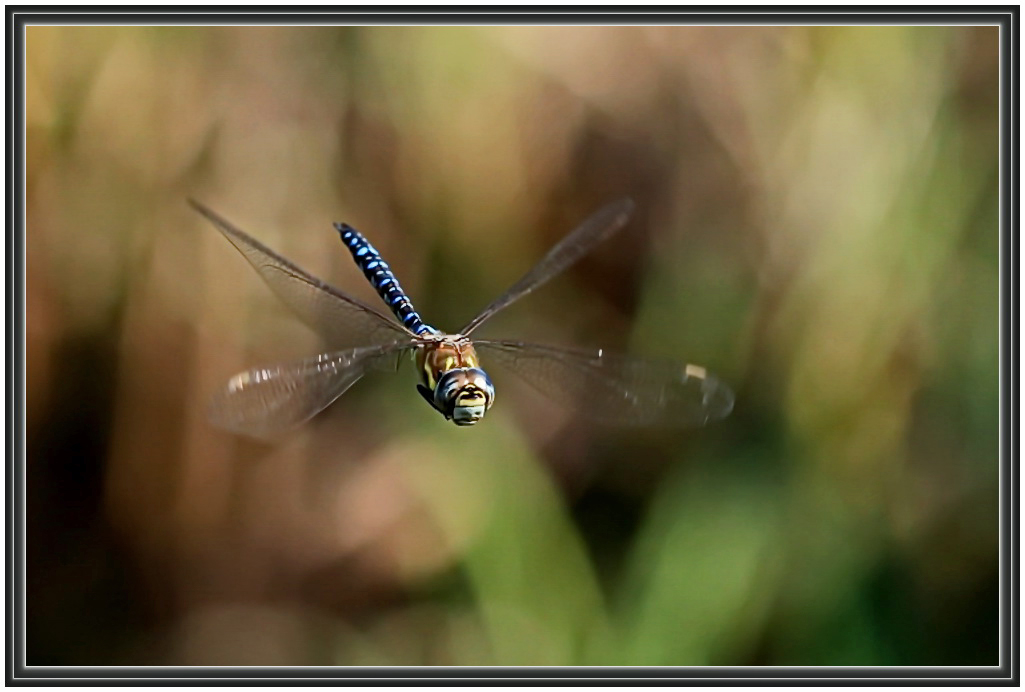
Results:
<point x="616" y="388"/>
<point x="265" y="402"/>
<point x="578" y="243"/>
<point x="342" y="320"/>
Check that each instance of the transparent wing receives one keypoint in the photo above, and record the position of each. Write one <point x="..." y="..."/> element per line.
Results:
<point x="265" y="402"/>
<point x="342" y="320"/>
<point x="578" y="243"/>
<point x="615" y="388"/>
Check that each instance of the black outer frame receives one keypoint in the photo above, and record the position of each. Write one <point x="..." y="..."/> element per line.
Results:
<point x="1004" y="16"/>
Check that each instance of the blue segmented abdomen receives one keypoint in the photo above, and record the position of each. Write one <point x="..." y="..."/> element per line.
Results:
<point x="382" y="279"/>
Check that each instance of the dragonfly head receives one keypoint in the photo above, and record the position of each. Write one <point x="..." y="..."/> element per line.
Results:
<point x="462" y="394"/>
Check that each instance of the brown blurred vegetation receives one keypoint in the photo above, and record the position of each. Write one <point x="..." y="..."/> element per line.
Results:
<point x="817" y="223"/>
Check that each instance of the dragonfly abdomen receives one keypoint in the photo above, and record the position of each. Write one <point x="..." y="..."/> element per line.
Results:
<point x="381" y="277"/>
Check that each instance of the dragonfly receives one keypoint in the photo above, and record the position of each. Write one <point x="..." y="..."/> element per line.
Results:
<point x="265" y="402"/>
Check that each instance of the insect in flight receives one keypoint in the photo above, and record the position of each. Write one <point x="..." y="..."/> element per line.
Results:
<point x="264" y="402"/>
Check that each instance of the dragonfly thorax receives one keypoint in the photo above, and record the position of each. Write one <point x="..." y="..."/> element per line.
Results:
<point x="453" y="381"/>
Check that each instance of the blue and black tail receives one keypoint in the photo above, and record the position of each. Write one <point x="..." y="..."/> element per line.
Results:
<point x="382" y="279"/>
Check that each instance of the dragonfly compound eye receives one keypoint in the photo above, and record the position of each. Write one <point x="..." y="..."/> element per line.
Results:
<point x="464" y="395"/>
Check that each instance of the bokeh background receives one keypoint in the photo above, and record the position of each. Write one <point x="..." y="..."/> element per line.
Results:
<point x="817" y="224"/>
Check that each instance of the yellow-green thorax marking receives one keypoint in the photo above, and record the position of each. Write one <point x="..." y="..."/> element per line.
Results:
<point x="452" y="379"/>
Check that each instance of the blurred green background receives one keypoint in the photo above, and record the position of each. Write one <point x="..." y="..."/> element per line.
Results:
<point x="817" y="223"/>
